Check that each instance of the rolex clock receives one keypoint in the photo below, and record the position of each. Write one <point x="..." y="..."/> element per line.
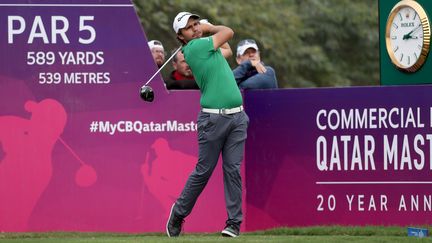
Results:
<point x="408" y="36"/>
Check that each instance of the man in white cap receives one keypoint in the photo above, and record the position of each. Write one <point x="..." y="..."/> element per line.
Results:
<point x="222" y="123"/>
<point x="251" y="72"/>
<point x="157" y="51"/>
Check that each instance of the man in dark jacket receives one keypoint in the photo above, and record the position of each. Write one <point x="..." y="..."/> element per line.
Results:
<point x="251" y="72"/>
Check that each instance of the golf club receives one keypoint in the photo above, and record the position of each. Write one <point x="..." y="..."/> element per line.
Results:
<point x="146" y="92"/>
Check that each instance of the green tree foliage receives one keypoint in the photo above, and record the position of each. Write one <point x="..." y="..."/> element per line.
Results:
<point x="310" y="43"/>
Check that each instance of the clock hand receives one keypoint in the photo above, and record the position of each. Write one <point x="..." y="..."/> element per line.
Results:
<point x="408" y="36"/>
<point x="414" y="30"/>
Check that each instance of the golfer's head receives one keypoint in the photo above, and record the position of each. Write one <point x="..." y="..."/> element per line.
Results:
<point x="187" y="26"/>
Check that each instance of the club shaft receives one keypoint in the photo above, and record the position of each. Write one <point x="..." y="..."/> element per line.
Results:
<point x="169" y="59"/>
<point x="71" y="150"/>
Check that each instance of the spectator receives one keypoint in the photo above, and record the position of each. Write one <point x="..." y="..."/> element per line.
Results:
<point x="157" y="51"/>
<point x="251" y="72"/>
<point x="181" y="77"/>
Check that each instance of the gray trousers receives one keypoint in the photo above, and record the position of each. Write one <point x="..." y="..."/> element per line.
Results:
<point x="217" y="134"/>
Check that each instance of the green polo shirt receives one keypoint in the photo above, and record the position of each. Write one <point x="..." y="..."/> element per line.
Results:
<point x="212" y="74"/>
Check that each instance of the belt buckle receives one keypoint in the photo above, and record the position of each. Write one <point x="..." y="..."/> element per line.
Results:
<point x="222" y="111"/>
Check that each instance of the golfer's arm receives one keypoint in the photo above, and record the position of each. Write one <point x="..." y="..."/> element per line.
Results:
<point x="226" y="50"/>
<point x="221" y="35"/>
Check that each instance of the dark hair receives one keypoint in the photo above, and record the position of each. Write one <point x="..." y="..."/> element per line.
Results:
<point x="175" y="56"/>
<point x="182" y="42"/>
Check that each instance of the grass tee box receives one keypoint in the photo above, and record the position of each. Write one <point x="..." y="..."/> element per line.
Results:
<point x="321" y="234"/>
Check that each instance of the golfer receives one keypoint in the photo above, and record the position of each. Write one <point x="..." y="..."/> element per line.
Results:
<point x="222" y="123"/>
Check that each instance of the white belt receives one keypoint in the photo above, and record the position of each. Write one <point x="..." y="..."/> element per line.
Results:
<point x="223" y="110"/>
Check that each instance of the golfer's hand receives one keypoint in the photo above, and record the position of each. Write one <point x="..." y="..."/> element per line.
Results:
<point x="258" y="65"/>
<point x="206" y="26"/>
<point x="205" y="21"/>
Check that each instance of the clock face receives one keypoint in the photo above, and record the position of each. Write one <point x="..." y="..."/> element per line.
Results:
<point x="408" y="36"/>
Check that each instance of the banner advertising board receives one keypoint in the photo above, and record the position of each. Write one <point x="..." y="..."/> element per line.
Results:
<point x="80" y="151"/>
<point x="339" y="156"/>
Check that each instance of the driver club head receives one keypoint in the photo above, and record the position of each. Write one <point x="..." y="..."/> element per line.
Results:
<point x="146" y="93"/>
